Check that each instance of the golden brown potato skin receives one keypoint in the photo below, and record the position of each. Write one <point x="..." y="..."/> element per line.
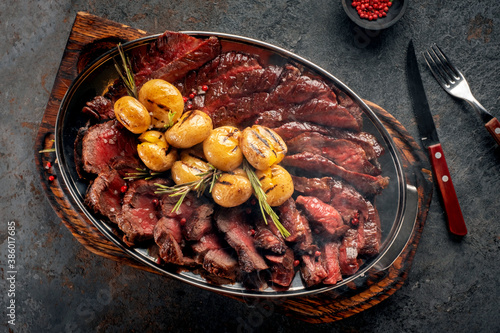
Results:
<point x="222" y="148"/>
<point x="161" y="98"/>
<point x="189" y="167"/>
<point x="155" y="152"/>
<point x="276" y="183"/>
<point x="132" y="114"/>
<point x="232" y="189"/>
<point x="262" y="146"/>
<point x="192" y="128"/>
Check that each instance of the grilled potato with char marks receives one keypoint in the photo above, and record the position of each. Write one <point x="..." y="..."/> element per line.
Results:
<point x="192" y="128"/>
<point x="276" y="183"/>
<point x="163" y="100"/>
<point x="232" y="189"/>
<point x="155" y="152"/>
<point x="192" y="163"/>
<point x="262" y="146"/>
<point x="132" y="114"/>
<point x="222" y="148"/>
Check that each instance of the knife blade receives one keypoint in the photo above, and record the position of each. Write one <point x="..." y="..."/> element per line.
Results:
<point x="430" y="141"/>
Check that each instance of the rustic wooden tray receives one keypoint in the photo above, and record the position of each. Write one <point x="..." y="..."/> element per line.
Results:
<point x="90" y="37"/>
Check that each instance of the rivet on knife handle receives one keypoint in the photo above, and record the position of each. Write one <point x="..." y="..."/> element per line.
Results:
<point x="493" y="126"/>
<point x="456" y="223"/>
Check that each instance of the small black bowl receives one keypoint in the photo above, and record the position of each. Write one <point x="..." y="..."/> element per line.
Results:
<point x="396" y="11"/>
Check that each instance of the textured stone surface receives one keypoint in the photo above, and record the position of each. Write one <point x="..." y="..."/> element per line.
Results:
<point x="452" y="287"/>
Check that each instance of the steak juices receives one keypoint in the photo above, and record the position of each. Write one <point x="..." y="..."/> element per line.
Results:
<point x="331" y="218"/>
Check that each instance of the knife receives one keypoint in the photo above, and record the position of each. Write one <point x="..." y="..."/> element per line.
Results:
<point x="430" y="141"/>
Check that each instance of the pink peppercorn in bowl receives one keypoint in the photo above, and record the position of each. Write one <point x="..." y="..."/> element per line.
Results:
<point x="375" y="14"/>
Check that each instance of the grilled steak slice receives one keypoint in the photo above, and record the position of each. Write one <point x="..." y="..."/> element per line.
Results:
<point x="323" y="217"/>
<point x="367" y="141"/>
<point x="104" y="143"/>
<point x="345" y="153"/>
<point x="371" y="233"/>
<point x="316" y="163"/>
<point x="168" y="237"/>
<point x="172" y="54"/>
<point x="330" y="257"/>
<point x="221" y="263"/>
<point x="281" y="267"/>
<point x="348" y="253"/>
<point x="139" y="213"/>
<point x="100" y="108"/>
<point x="315" y="187"/>
<point x="237" y="233"/>
<point x="298" y="226"/>
<point x="266" y="239"/>
<point x="77" y="151"/>
<point x="104" y="195"/>
<point x="312" y="270"/>
<point x="194" y="214"/>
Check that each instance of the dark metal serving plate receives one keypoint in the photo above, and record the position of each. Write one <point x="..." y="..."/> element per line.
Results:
<point x="397" y="205"/>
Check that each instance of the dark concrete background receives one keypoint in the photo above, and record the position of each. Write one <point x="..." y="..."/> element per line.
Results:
<point x="62" y="287"/>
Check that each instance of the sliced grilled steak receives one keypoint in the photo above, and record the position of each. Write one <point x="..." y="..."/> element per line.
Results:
<point x="194" y="214"/>
<point x="312" y="270"/>
<point x="104" y="195"/>
<point x="348" y="253"/>
<point x="330" y="257"/>
<point x="344" y="153"/>
<point x="100" y="108"/>
<point x="221" y="263"/>
<point x="232" y="222"/>
<point x="168" y="237"/>
<point x="318" y="164"/>
<point x="298" y="226"/>
<point x="367" y="141"/>
<point x="105" y="143"/>
<point x="371" y="233"/>
<point x="323" y="217"/>
<point x="139" y="212"/>
<point x="266" y="239"/>
<point x="281" y="267"/>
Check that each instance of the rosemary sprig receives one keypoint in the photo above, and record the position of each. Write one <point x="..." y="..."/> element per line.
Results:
<point x="125" y="72"/>
<point x="207" y="179"/>
<point x="142" y="174"/>
<point x="265" y="208"/>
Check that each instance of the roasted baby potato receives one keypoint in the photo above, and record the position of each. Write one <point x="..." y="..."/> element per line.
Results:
<point x="222" y="149"/>
<point x="155" y="152"/>
<point x="276" y="183"/>
<point x="192" y="128"/>
<point x="262" y="146"/>
<point x="232" y="189"/>
<point x="189" y="167"/>
<point x="132" y="114"/>
<point x="163" y="100"/>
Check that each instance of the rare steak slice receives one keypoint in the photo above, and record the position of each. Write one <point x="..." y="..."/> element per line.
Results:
<point x="281" y="267"/>
<point x="266" y="238"/>
<point x="330" y="257"/>
<point x="345" y="153"/>
<point x="318" y="164"/>
<point x="312" y="270"/>
<point x="232" y="222"/>
<point x="298" y="226"/>
<point x="221" y="263"/>
<point x="372" y="235"/>
<point x="323" y="217"/>
<point x="104" y="143"/>
<point x="348" y="253"/>
<point x="100" y="108"/>
<point x="139" y="212"/>
<point x="172" y="56"/>
<point x="168" y="237"/>
<point x="367" y="141"/>
<point x="194" y="214"/>
<point x="104" y="196"/>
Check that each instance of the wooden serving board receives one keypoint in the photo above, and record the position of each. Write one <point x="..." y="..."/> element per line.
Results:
<point x="90" y="37"/>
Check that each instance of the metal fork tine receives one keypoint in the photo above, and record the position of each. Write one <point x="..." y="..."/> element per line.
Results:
<point x="443" y="70"/>
<point x="434" y="70"/>
<point x="447" y="62"/>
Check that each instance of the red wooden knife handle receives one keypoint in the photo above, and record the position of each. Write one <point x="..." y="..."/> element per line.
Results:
<point x="493" y="126"/>
<point x="456" y="223"/>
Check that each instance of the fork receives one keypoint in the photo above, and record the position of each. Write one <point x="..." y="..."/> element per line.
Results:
<point x="454" y="83"/>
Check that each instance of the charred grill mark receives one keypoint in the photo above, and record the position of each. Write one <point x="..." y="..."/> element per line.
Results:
<point x="124" y="120"/>
<point x="161" y="106"/>
<point x="257" y="150"/>
<point x="262" y="139"/>
<point x="277" y="140"/>
<point x="271" y="188"/>
<point x="197" y="157"/>
<point x="193" y="168"/>
<point x="225" y="182"/>
<point x="187" y="116"/>
<point x="234" y="149"/>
